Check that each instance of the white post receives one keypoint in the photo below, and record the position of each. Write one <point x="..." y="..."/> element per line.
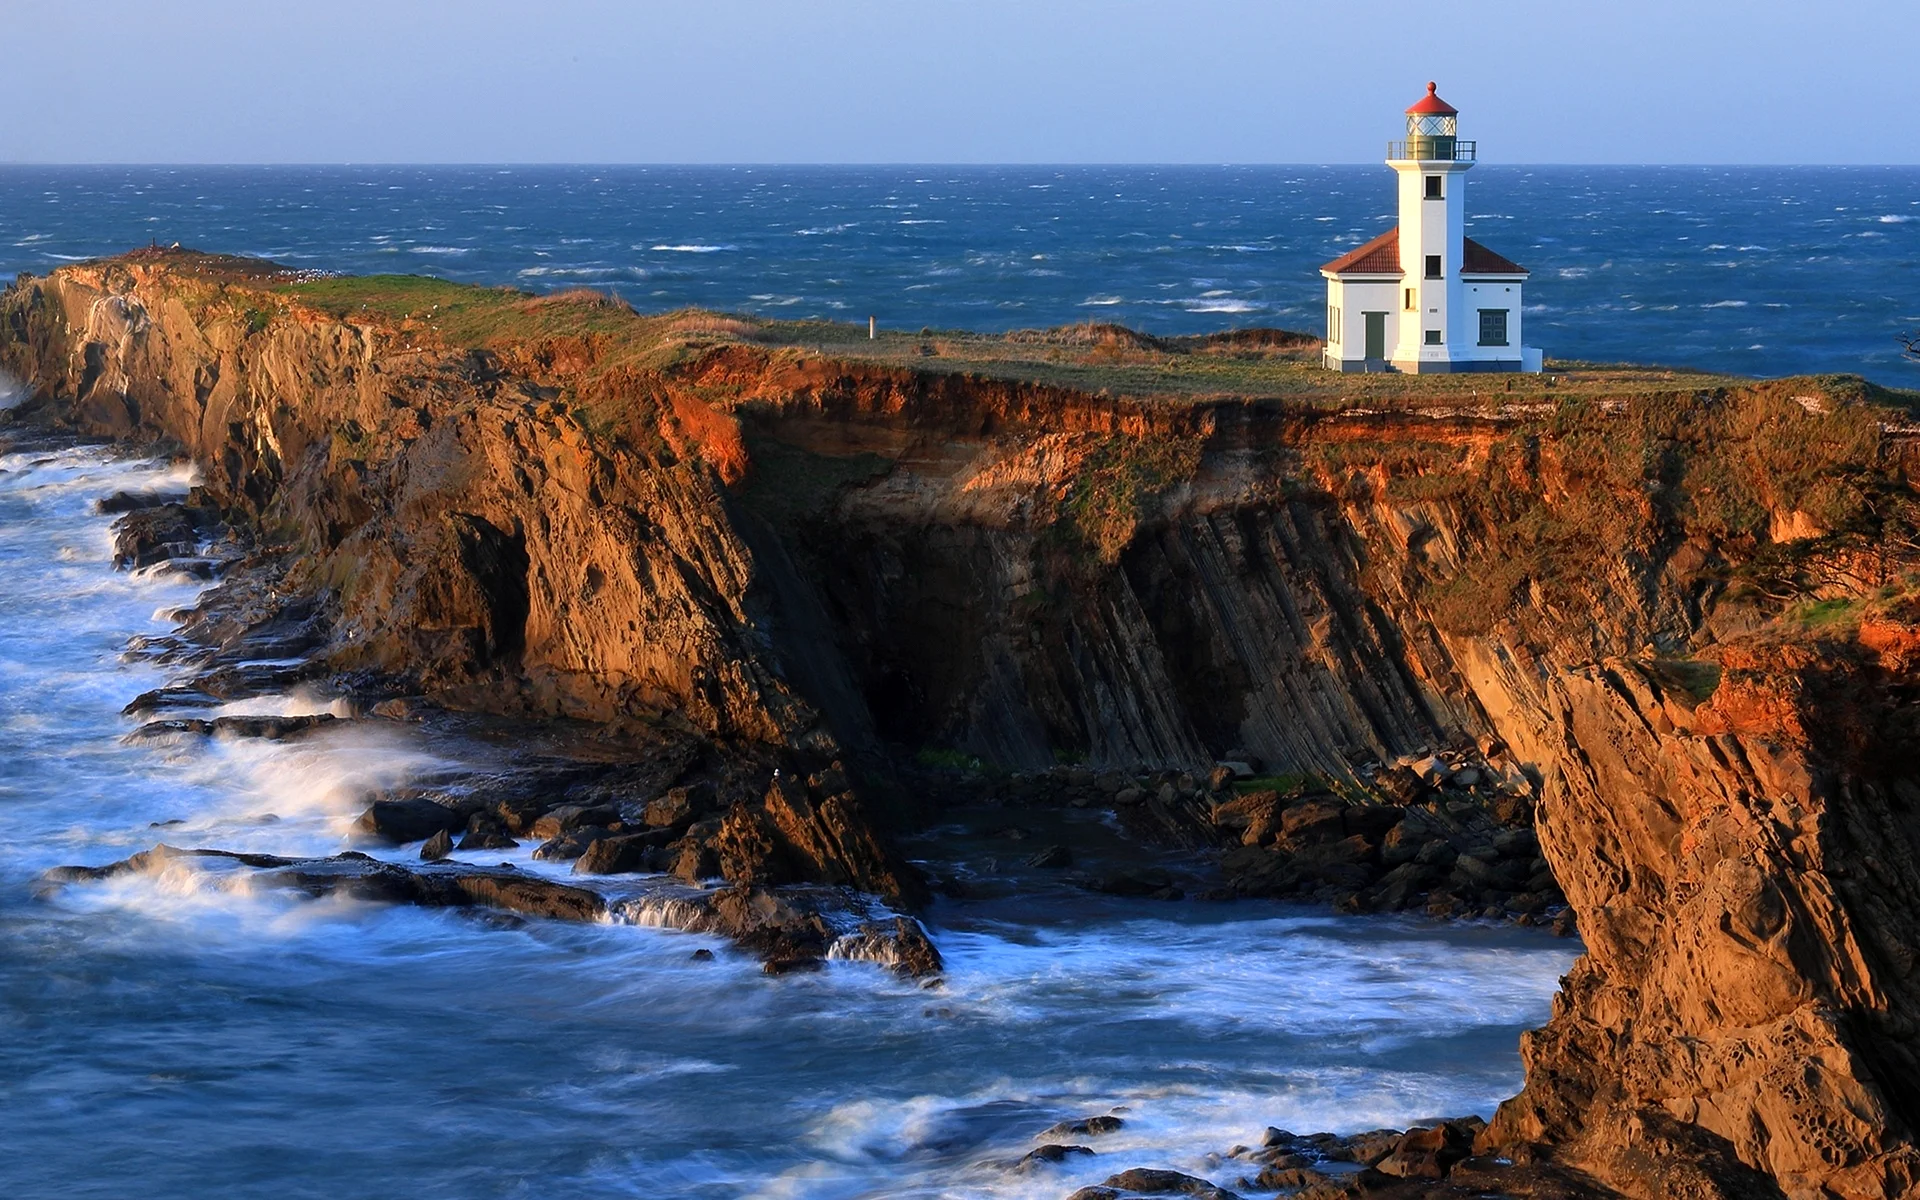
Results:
<point x="873" y="328"/>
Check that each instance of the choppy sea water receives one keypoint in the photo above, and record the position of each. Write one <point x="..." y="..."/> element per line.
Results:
<point x="172" y="1036"/>
<point x="1759" y="270"/>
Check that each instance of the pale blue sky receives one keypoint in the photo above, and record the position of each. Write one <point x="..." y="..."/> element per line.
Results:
<point x="1051" y="81"/>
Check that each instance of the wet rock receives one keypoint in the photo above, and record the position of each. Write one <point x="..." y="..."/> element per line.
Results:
<point x="701" y="955"/>
<point x="1095" y="1193"/>
<point x="270" y="728"/>
<point x="152" y="535"/>
<point x="1084" y="1127"/>
<point x="696" y="859"/>
<point x="569" y="817"/>
<point x="681" y="806"/>
<point x="484" y="832"/>
<point x="363" y="878"/>
<point x="132" y="500"/>
<point x="1051" y="858"/>
<point x="437" y="847"/>
<point x="623" y="854"/>
<point x="1427" y="1153"/>
<point x="1042" y="1156"/>
<point x="169" y="729"/>
<point x="1370" y="1147"/>
<point x="1286" y="1178"/>
<point x="900" y="944"/>
<point x="1143" y="882"/>
<point x="1149" y="1182"/>
<point x="566" y="847"/>
<point x="411" y="819"/>
<point x="790" y="965"/>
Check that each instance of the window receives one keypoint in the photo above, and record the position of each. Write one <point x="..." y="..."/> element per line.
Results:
<point x="1433" y="187"/>
<point x="1333" y="324"/>
<point x="1493" y="327"/>
<point x="1410" y="304"/>
<point x="1433" y="337"/>
<point x="1433" y="266"/>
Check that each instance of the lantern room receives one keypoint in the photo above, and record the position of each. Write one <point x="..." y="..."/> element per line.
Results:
<point x="1433" y="132"/>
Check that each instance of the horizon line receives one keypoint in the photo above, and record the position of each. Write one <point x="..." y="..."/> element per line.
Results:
<point x="902" y="164"/>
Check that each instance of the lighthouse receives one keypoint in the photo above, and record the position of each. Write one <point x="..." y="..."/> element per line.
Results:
<point x="1423" y="297"/>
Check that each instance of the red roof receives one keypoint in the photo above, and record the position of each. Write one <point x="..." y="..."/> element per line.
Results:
<point x="1381" y="256"/>
<point x="1431" y="105"/>
<point x="1478" y="260"/>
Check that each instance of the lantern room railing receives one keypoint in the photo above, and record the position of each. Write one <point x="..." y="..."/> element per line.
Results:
<point x="1431" y="149"/>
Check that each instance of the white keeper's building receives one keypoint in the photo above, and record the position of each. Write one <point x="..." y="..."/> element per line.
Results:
<point x="1423" y="297"/>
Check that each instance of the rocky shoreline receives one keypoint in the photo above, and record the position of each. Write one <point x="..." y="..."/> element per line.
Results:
<point x="1650" y="656"/>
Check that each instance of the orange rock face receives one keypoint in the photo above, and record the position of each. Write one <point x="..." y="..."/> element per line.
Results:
<point x="1679" y="615"/>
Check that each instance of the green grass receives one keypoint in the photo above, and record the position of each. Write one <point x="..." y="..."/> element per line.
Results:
<point x="1827" y="615"/>
<point x="947" y="760"/>
<point x="1290" y="784"/>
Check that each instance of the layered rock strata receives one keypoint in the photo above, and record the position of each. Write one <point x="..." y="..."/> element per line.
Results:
<point x="1685" y="617"/>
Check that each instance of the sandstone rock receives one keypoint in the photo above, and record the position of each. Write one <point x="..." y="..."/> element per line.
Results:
<point x="1313" y="820"/>
<point x="566" y="847"/>
<point x="569" y="817"/>
<point x="682" y="805"/>
<point x="437" y="847"/>
<point x="622" y="854"/>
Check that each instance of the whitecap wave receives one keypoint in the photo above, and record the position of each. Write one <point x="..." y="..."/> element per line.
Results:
<point x="1726" y="304"/>
<point x="1223" y="306"/>
<point x="691" y="248"/>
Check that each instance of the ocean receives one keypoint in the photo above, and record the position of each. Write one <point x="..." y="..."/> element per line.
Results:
<point x="180" y="1035"/>
<point x="1753" y="270"/>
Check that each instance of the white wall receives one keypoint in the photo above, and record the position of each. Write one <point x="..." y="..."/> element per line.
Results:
<point x="1489" y="293"/>
<point x="1355" y="297"/>
<point x="1432" y="227"/>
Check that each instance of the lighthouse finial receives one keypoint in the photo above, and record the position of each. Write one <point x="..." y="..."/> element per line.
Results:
<point x="1432" y="87"/>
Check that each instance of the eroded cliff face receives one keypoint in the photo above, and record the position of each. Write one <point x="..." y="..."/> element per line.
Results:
<point x="1683" y="615"/>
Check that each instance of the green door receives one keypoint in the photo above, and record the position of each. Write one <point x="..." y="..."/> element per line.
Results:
<point x="1376" y="334"/>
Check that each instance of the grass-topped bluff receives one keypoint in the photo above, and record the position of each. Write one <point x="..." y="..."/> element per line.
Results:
<point x="1101" y="359"/>
<point x="1679" y="611"/>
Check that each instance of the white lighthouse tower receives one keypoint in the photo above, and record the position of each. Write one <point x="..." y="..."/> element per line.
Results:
<point x="1423" y="297"/>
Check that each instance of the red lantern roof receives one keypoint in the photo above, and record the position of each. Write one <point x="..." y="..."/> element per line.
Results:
<point x="1431" y="105"/>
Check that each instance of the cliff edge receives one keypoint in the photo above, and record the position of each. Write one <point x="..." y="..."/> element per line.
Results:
<point x="1683" y="612"/>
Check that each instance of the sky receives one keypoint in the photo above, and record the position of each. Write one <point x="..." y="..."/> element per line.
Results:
<point x="929" y="81"/>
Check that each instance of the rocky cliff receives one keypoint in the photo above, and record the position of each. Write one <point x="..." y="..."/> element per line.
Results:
<point x="1681" y="612"/>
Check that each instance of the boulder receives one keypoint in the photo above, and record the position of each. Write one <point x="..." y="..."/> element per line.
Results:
<point x="437" y="847"/>
<point x="1041" y="1156"/>
<point x="151" y="535"/>
<point x="1051" y="858"/>
<point x="1147" y="882"/>
<point x="569" y="846"/>
<point x="569" y="817"/>
<point x="1150" y="1182"/>
<point x="682" y="805"/>
<point x="411" y="819"/>
<point x="1313" y="820"/>
<point x="1084" y="1127"/>
<point x="622" y="854"/>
